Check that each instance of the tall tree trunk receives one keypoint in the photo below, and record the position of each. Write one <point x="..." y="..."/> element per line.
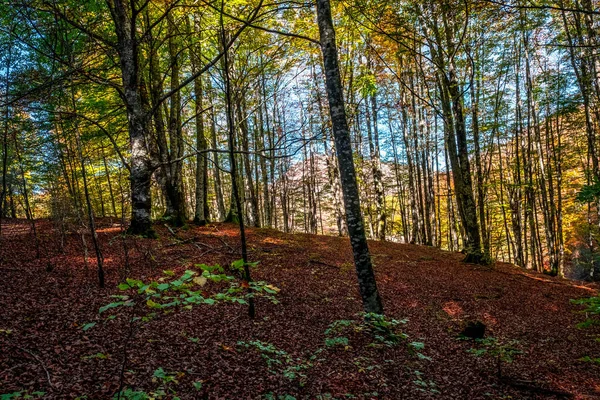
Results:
<point x="233" y="166"/>
<point x="5" y="130"/>
<point x="200" y="218"/>
<point x="177" y="214"/>
<point x="362" y="259"/>
<point x="218" y="185"/>
<point x="242" y="121"/>
<point x="451" y="96"/>
<point x="138" y="119"/>
<point x="90" y="211"/>
<point x="110" y="187"/>
<point x="475" y="87"/>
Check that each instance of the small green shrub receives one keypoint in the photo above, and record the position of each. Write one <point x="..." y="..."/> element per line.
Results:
<point x="501" y="351"/>
<point x="166" y="387"/>
<point x="22" y="394"/>
<point x="423" y="385"/>
<point x="592" y="310"/>
<point x="185" y="292"/>
<point x="279" y="362"/>
<point x="385" y="331"/>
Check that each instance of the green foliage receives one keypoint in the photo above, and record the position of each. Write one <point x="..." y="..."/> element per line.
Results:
<point x="336" y="341"/>
<point x="88" y="326"/>
<point x="185" y="292"/>
<point x="365" y="364"/>
<point x="426" y="386"/>
<point x="367" y="84"/>
<point x="238" y="265"/>
<point x="592" y="308"/>
<point x="164" y="377"/>
<point x="271" y="396"/>
<point x="385" y="331"/>
<point x="591" y="360"/>
<point x="130" y="394"/>
<point x="491" y="346"/>
<point x="280" y="362"/>
<point x="99" y="356"/>
<point x="166" y="381"/>
<point x="337" y="326"/>
<point x="22" y="394"/>
<point x="589" y="193"/>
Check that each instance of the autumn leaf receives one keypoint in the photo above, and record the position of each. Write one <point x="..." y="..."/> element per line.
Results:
<point x="200" y="280"/>
<point x="273" y="288"/>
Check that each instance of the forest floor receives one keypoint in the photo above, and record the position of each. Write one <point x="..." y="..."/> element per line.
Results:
<point x="212" y="350"/>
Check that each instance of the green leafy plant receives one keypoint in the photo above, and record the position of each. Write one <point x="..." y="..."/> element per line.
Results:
<point x="238" y="265"/>
<point x="22" y="394"/>
<point x="185" y="292"/>
<point x="336" y="341"/>
<point x="501" y="351"/>
<point x="365" y="364"/>
<point x="280" y="362"/>
<point x="423" y="385"/>
<point x="130" y="394"/>
<point x="271" y="396"/>
<point x="166" y="387"/>
<point x="99" y="356"/>
<point x="171" y="293"/>
<point x="338" y="326"/>
<point x="591" y="360"/>
<point x="385" y="331"/>
<point x="165" y="378"/>
<point x="589" y="193"/>
<point x="592" y="311"/>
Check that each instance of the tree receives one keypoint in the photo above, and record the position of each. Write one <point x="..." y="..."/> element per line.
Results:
<point x="354" y="220"/>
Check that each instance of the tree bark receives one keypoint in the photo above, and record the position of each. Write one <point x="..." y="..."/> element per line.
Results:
<point x="362" y="259"/>
<point x="139" y="129"/>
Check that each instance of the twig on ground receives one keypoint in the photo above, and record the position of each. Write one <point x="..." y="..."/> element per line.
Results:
<point x="39" y="360"/>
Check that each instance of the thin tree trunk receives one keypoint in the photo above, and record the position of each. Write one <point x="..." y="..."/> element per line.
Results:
<point x="200" y="218"/>
<point x="90" y="211"/>
<point x="233" y="166"/>
<point x="362" y="259"/>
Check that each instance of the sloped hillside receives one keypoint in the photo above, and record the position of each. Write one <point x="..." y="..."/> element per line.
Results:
<point x="291" y="348"/>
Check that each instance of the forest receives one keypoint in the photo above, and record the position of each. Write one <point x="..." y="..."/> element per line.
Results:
<point x="321" y="199"/>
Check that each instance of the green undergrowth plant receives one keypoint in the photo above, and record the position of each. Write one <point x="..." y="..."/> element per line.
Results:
<point x="280" y="362"/>
<point x="503" y="351"/>
<point x="238" y="266"/>
<point x="271" y="396"/>
<point x="591" y="310"/>
<point x="424" y="385"/>
<point x="384" y="331"/>
<point x="590" y="360"/>
<point x="172" y="292"/>
<point x="22" y="394"/>
<point x="167" y="384"/>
